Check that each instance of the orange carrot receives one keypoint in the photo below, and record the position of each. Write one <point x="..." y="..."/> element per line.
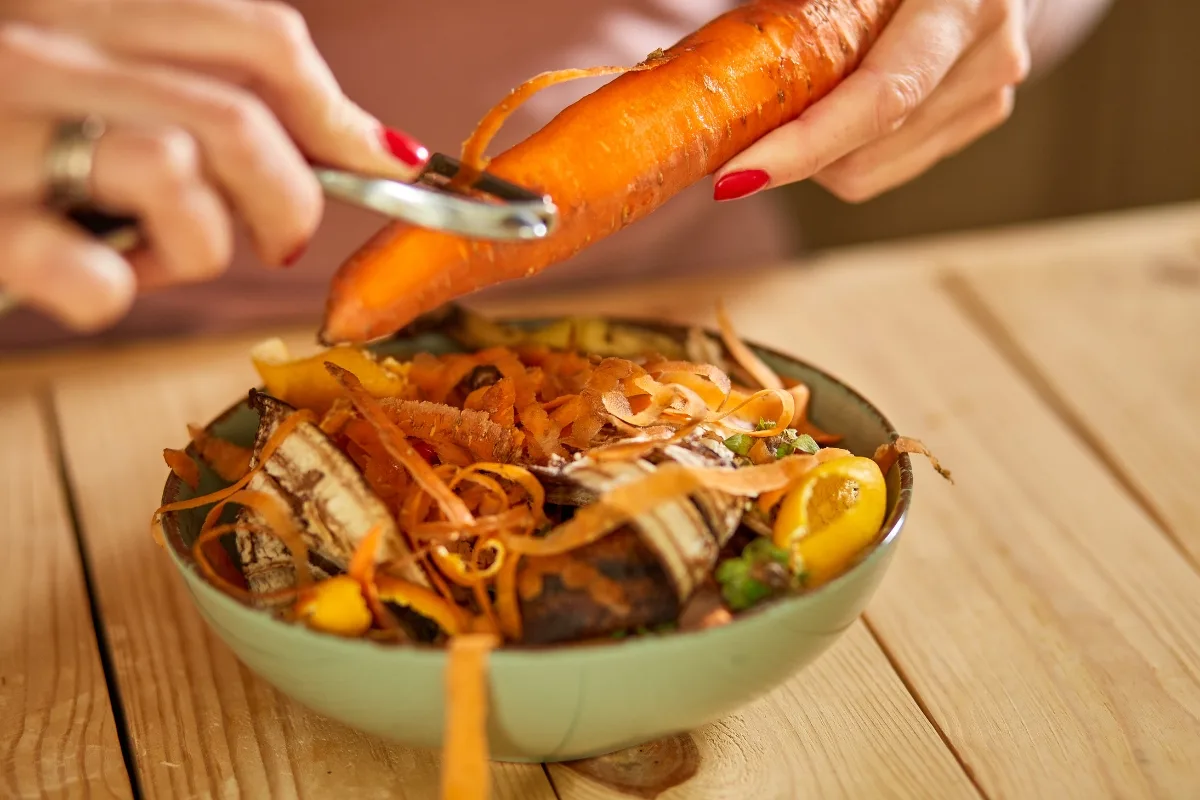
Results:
<point x="619" y="153"/>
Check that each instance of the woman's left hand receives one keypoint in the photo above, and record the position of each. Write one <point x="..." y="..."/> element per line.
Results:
<point x="941" y="76"/>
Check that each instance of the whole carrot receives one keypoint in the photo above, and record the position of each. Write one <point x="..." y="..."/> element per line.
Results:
<point x="619" y="153"/>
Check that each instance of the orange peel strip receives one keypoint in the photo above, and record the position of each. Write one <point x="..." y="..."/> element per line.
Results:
<point x="465" y="767"/>
<point x="362" y="569"/>
<point x="886" y="455"/>
<point x="743" y="355"/>
<point x="278" y="518"/>
<point x="515" y="518"/>
<point x="455" y="567"/>
<point x="219" y="580"/>
<point x="284" y="429"/>
<point x="473" y="161"/>
<point x="508" y="609"/>
<point x="787" y="412"/>
<point x="184" y="466"/>
<point x="518" y="475"/>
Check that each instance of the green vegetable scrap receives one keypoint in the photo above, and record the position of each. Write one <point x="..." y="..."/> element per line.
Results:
<point x="760" y="572"/>
<point x="740" y="443"/>
<point x="794" y="442"/>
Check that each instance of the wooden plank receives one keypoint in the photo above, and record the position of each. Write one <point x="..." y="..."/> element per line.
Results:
<point x="1044" y="622"/>
<point x="1159" y="231"/>
<point x="57" y="735"/>
<point x="39" y="369"/>
<point x="1115" y="345"/>
<point x="890" y="740"/>
<point x="1050" y="629"/>
<point x="201" y="725"/>
<point x="843" y="727"/>
<point x="1165" y="231"/>
<point x="1046" y="664"/>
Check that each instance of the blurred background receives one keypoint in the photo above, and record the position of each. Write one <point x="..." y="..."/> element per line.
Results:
<point x="1115" y="126"/>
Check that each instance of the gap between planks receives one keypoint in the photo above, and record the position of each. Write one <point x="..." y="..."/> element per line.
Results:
<point x="963" y="764"/>
<point x="976" y="309"/>
<point x="57" y="733"/>
<point x="45" y="404"/>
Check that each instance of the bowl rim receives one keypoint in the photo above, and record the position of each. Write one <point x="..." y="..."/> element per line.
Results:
<point x="183" y="559"/>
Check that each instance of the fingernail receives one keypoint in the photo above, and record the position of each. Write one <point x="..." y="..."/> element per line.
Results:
<point x="404" y="147"/>
<point x="739" y="184"/>
<point x="295" y="255"/>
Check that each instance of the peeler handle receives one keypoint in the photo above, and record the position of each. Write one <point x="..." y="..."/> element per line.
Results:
<point x="119" y="232"/>
<point x="523" y="214"/>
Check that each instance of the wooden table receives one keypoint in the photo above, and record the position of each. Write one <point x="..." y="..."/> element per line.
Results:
<point x="1037" y="636"/>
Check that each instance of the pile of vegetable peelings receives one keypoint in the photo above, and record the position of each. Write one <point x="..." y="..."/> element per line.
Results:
<point x="576" y="483"/>
<point x="569" y="485"/>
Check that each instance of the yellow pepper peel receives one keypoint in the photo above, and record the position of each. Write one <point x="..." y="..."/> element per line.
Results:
<point x="305" y="383"/>
<point x="335" y="606"/>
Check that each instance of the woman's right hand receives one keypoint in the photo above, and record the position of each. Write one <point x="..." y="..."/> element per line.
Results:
<point x="213" y="110"/>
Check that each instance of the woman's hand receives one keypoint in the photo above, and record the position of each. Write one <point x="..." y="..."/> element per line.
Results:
<point x="212" y="110"/>
<point x="941" y="75"/>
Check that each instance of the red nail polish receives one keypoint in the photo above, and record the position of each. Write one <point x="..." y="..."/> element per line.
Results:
<point x="404" y="147"/>
<point x="295" y="255"/>
<point x="739" y="184"/>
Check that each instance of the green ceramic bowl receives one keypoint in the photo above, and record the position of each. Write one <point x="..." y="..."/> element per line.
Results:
<point x="559" y="703"/>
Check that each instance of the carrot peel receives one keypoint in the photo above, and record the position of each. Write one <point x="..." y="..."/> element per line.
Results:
<point x="465" y="755"/>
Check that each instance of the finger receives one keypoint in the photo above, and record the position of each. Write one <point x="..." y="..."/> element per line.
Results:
<point x="153" y="174"/>
<point x="856" y="184"/>
<point x="24" y="140"/>
<point x="250" y="155"/>
<point x="973" y="87"/>
<point x="269" y="46"/>
<point x="52" y="265"/>
<point x="1002" y="59"/>
<point x="912" y="56"/>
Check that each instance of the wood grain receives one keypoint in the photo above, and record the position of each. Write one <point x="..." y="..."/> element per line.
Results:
<point x="1045" y="623"/>
<point x="200" y="724"/>
<point x="844" y="727"/>
<point x="31" y="371"/>
<point x="1051" y="630"/>
<point x="1043" y="620"/>
<point x="57" y="735"/>
<point x="1115" y="345"/>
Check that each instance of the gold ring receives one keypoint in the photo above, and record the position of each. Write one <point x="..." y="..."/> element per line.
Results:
<point x="69" y="162"/>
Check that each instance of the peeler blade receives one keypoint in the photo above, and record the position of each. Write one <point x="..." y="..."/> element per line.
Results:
<point x="510" y="212"/>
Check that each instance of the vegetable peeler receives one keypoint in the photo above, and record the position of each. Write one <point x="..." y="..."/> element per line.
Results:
<point x="506" y="213"/>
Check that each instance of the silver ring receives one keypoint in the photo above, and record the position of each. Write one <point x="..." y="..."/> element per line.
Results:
<point x="69" y="161"/>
